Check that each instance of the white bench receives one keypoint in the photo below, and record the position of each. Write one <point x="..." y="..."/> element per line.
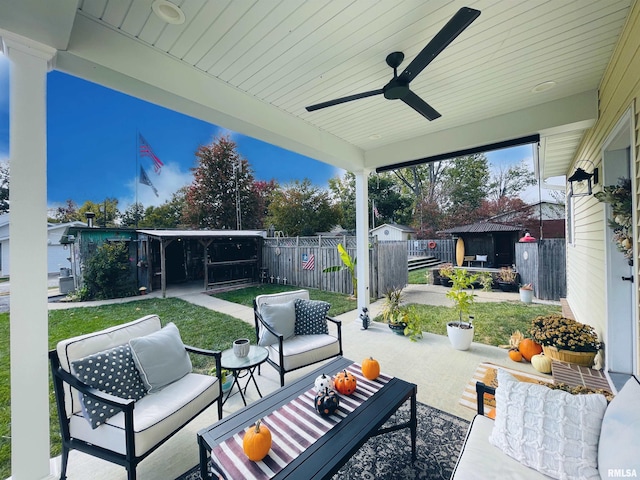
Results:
<point x="618" y="453"/>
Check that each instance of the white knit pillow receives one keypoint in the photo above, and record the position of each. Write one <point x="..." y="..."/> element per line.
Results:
<point x="552" y="431"/>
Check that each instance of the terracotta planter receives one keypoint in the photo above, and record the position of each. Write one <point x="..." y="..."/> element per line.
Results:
<point x="584" y="359"/>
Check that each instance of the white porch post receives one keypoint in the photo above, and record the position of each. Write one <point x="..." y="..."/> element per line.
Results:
<point x="30" y="63"/>
<point x="362" y="237"/>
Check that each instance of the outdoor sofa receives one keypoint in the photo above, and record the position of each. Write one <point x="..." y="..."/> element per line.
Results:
<point x="149" y="369"/>
<point x="295" y="330"/>
<point x="605" y="440"/>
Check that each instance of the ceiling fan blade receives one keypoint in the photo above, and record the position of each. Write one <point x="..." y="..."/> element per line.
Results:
<point x="420" y="106"/>
<point x="337" y="101"/>
<point x="454" y="27"/>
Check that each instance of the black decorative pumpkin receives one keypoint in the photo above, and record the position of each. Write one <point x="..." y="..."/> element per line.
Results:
<point x="327" y="402"/>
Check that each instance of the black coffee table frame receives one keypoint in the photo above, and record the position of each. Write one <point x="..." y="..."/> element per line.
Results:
<point x="331" y="451"/>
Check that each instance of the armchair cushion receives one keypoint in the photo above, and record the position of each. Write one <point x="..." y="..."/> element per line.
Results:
<point x="111" y="371"/>
<point x="619" y="440"/>
<point x="160" y="357"/>
<point x="310" y="317"/>
<point x="279" y="316"/>
<point x="552" y="431"/>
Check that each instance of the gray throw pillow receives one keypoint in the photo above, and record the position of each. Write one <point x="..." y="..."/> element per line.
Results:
<point x="160" y="357"/>
<point x="279" y="316"/>
<point x="111" y="371"/>
<point x="310" y="317"/>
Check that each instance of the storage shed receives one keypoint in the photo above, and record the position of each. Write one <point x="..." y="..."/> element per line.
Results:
<point x="392" y="231"/>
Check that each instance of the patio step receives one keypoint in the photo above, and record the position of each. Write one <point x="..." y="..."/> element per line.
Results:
<point x="414" y="263"/>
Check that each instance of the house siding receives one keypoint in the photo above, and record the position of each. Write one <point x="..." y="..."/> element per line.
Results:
<point x="619" y="90"/>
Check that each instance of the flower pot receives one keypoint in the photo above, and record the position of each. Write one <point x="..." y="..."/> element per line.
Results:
<point x="508" y="286"/>
<point x="460" y="335"/>
<point x="241" y="347"/>
<point x="526" y="295"/>
<point x="228" y="382"/>
<point x="584" y="359"/>
<point x="398" y="328"/>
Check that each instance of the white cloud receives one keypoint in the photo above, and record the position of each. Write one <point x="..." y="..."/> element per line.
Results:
<point x="171" y="179"/>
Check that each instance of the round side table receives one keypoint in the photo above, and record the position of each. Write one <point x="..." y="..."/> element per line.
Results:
<point x="243" y="368"/>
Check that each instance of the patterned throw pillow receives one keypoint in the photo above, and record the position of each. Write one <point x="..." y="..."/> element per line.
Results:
<point x="310" y="317"/>
<point x="112" y="371"/>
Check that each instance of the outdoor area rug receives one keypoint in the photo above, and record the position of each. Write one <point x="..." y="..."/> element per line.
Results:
<point x="388" y="457"/>
<point x="487" y="374"/>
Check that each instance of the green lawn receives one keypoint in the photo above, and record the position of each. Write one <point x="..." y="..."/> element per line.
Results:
<point x="418" y="276"/>
<point x="339" y="303"/>
<point x="198" y="326"/>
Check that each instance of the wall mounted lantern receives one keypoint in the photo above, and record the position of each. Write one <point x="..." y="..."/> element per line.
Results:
<point x="579" y="176"/>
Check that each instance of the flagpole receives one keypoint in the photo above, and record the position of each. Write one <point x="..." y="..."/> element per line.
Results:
<point x="137" y="180"/>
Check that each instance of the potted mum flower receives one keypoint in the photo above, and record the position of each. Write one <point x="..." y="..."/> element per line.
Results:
<point x="565" y="339"/>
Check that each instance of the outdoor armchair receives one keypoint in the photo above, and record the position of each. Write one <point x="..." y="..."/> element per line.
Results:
<point x="295" y="330"/>
<point x="149" y="370"/>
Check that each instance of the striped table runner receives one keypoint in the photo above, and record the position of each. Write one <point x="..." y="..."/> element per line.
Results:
<point x="294" y="427"/>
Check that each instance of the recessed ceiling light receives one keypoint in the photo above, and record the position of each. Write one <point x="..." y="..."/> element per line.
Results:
<point x="375" y="136"/>
<point x="543" y="87"/>
<point x="168" y="12"/>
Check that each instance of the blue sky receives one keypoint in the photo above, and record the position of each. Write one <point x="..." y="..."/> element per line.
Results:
<point x="92" y="146"/>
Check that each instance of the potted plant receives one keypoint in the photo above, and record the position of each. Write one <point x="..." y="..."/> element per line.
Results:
<point x="565" y="339"/>
<point x="392" y="313"/>
<point x="460" y="332"/>
<point x="227" y="378"/>
<point x="507" y="277"/>
<point x="445" y="272"/>
<point x="526" y="293"/>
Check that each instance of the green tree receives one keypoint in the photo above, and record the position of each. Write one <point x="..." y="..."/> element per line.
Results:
<point x="109" y="273"/>
<point x="132" y="216"/>
<point x="4" y="187"/>
<point x="222" y="181"/>
<point x="106" y="212"/>
<point x="391" y="205"/>
<point x="167" y="215"/>
<point x="511" y="181"/>
<point x="343" y="190"/>
<point x="465" y="185"/>
<point x="302" y="209"/>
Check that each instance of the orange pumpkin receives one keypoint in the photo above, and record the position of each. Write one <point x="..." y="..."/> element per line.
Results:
<point x="345" y="383"/>
<point x="528" y="348"/>
<point x="370" y="368"/>
<point x="515" y="355"/>
<point x="257" y="442"/>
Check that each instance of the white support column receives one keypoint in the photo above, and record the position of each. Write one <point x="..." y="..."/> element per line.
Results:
<point x="362" y="237"/>
<point x="30" y="63"/>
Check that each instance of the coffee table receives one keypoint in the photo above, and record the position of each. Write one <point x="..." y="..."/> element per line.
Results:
<point x="323" y="458"/>
<point x="229" y="361"/>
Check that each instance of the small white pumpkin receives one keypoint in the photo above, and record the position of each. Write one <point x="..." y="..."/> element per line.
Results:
<point x="541" y="363"/>
<point x="322" y="382"/>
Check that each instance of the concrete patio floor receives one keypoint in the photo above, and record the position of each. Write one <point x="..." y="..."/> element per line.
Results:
<point x="440" y="372"/>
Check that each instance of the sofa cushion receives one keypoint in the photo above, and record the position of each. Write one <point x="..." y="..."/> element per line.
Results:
<point x="156" y="416"/>
<point x="279" y="316"/>
<point x="549" y="430"/>
<point x="619" y="447"/>
<point x="480" y="459"/>
<point x="302" y="350"/>
<point x="160" y="357"/>
<point x="111" y="371"/>
<point x="84" y="345"/>
<point x="310" y="317"/>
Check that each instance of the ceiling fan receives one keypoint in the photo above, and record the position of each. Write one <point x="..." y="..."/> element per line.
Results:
<point x="398" y="86"/>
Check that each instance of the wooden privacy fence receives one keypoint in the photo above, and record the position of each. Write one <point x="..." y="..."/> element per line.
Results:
<point x="300" y="261"/>
<point x="543" y="264"/>
<point x="443" y="249"/>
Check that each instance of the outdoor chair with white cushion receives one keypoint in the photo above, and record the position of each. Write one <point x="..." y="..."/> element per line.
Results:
<point x="540" y="433"/>
<point x="122" y="392"/>
<point x="295" y="330"/>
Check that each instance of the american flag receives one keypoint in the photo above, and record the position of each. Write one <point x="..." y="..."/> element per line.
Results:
<point x="146" y="151"/>
<point x="308" y="261"/>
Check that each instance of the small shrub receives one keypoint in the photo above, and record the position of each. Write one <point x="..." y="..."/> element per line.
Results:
<point x="109" y="273"/>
